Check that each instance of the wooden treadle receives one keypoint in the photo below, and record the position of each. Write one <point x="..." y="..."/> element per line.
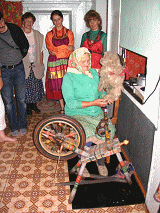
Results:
<point x="101" y="180"/>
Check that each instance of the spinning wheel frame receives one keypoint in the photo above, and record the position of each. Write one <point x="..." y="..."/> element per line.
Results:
<point x="72" y="144"/>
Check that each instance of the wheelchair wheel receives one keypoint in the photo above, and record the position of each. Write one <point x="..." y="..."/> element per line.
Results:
<point x="58" y="128"/>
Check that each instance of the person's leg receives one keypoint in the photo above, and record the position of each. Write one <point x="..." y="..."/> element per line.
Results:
<point x="33" y="106"/>
<point x="4" y="138"/>
<point x="34" y="92"/>
<point x="8" y="99"/>
<point x="61" y="101"/>
<point x="20" y="92"/>
<point x="102" y="169"/>
<point x="29" y="110"/>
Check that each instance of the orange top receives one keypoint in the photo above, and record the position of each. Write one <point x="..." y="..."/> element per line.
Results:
<point x="61" y="51"/>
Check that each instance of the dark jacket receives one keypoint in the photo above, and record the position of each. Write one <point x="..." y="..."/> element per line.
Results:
<point x="19" y="38"/>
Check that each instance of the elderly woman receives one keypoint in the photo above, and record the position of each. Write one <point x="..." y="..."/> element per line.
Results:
<point x="83" y="101"/>
<point x="33" y="63"/>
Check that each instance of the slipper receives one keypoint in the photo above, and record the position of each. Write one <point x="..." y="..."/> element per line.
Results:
<point x="15" y="133"/>
<point x="23" y="131"/>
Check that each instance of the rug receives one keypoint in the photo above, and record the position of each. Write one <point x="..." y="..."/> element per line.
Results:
<point x="48" y="105"/>
<point x="106" y="194"/>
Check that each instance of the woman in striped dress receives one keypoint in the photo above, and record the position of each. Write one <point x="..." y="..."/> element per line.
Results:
<point x="60" y="44"/>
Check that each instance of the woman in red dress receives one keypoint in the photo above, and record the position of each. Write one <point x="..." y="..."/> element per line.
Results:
<point x="94" y="40"/>
<point x="60" y="44"/>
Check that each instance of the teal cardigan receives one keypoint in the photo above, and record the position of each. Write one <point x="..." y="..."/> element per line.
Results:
<point x="77" y="88"/>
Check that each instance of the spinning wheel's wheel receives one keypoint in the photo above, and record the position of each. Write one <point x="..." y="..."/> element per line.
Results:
<point x="51" y="132"/>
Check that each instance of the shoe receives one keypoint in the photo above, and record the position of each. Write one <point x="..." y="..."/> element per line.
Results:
<point x="62" y="111"/>
<point x="29" y="111"/>
<point x="102" y="169"/>
<point x="15" y="133"/>
<point x="35" y="108"/>
<point x="23" y="131"/>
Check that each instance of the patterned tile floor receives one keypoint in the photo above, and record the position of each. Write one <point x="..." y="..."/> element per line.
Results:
<point x="27" y="177"/>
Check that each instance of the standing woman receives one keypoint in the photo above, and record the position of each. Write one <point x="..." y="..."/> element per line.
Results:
<point x="60" y="44"/>
<point x="33" y="64"/>
<point x="94" y="40"/>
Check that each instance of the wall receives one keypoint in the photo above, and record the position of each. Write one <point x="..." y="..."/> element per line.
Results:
<point x="140" y="32"/>
<point x="101" y="8"/>
<point x="134" y="126"/>
<point x="113" y="25"/>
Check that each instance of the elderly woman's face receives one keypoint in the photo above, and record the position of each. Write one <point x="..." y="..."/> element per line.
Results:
<point x="85" y="62"/>
<point x="28" y="23"/>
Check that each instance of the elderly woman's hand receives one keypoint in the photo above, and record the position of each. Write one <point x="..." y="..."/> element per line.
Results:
<point x="110" y="101"/>
<point x="97" y="102"/>
<point x="100" y="103"/>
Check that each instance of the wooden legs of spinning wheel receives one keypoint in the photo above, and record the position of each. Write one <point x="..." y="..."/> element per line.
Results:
<point x="78" y="179"/>
<point x="124" y="169"/>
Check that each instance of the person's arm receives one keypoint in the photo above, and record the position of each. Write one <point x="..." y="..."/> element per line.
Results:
<point x="70" y="46"/>
<point x="103" y="93"/>
<point x="19" y="38"/>
<point x="104" y="42"/>
<point x="68" y="93"/>
<point x="51" y="48"/>
<point x="22" y="41"/>
<point x="1" y="82"/>
<point x="41" y="57"/>
<point x="84" y="36"/>
<point x="97" y="102"/>
<point x="72" y="102"/>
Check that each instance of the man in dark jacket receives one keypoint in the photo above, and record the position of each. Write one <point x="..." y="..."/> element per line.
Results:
<point x="13" y="47"/>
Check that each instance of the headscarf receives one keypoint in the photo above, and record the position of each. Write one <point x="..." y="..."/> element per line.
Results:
<point x="75" y="58"/>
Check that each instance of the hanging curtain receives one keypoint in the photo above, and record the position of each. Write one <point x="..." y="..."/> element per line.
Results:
<point x="12" y="11"/>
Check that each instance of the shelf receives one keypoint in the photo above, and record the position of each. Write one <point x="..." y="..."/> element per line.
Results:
<point x="134" y="91"/>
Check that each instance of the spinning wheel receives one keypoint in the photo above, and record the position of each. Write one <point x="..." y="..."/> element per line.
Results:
<point x="51" y="132"/>
<point x="61" y="137"/>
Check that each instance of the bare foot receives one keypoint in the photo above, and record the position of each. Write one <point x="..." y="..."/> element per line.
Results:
<point x="3" y="137"/>
<point x="7" y="139"/>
